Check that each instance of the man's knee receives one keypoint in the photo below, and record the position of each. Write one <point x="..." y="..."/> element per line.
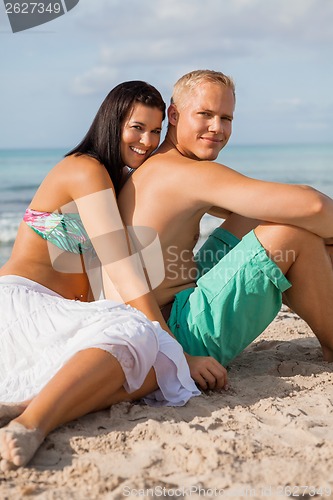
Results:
<point x="284" y="243"/>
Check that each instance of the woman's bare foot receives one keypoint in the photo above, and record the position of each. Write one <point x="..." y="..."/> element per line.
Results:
<point x="18" y="445"/>
<point x="9" y="411"/>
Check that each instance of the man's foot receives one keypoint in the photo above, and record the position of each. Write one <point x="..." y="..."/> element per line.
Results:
<point x="18" y="445"/>
<point x="9" y="411"/>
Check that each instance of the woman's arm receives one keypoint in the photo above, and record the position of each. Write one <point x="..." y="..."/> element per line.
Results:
<point x="124" y="275"/>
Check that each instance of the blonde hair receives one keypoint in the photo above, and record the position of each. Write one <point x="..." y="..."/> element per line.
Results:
<point x="191" y="80"/>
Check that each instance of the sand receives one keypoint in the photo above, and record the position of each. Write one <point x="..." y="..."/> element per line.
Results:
<point x="269" y="436"/>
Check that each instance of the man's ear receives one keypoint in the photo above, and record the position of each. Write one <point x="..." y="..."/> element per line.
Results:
<point x="172" y="114"/>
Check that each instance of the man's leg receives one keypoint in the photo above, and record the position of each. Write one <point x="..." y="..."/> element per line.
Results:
<point x="239" y="226"/>
<point x="329" y="248"/>
<point x="90" y="381"/>
<point x="240" y="292"/>
<point x="303" y="258"/>
<point x="285" y="245"/>
<point x="307" y="263"/>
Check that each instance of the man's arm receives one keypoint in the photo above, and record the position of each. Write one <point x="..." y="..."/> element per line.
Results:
<point x="219" y="212"/>
<point x="214" y="184"/>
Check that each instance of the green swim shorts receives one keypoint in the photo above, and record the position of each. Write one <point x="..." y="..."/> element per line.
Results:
<point x="238" y="294"/>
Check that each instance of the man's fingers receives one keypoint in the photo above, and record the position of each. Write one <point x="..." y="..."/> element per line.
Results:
<point x="201" y="382"/>
<point x="208" y="373"/>
<point x="210" y="380"/>
<point x="214" y="378"/>
<point x="219" y="373"/>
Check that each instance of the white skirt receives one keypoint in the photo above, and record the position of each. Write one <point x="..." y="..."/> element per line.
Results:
<point x="40" y="331"/>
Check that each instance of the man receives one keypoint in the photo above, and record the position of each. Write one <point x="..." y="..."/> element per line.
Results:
<point x="222" y="299"/>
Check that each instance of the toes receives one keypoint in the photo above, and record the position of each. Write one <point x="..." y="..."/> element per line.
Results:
<point x="14" y="454"/>
<point x="5" y="445"/>
<point x="9" y="449"/>
<point x="6" y="465"/>
<point x="18" y="445"/>
<point x="17" y="458"/>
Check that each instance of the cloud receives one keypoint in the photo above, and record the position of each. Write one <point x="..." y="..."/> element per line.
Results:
<point x="278" y="51"/>
<point x="168" y="51"/>
<point x="178" y="35"/>
<point x="288" y="103"/>
<point x="313" y="126"/>
<point x="299" y="20"/>
<point x="94" y="81"/>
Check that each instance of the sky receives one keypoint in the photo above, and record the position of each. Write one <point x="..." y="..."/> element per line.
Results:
<point x="279" y="52"/>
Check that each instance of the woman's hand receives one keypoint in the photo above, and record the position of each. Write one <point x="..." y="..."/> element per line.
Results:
<point x="207" y="372"/>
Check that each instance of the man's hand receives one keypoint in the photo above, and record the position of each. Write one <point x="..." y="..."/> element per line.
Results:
<point x="207" y="373"/>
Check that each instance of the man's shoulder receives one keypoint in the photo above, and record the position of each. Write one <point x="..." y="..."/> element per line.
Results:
<point x="172" y="161"/>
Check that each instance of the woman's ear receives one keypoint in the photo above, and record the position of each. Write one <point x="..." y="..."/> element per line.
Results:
<point x="172" y="114"/>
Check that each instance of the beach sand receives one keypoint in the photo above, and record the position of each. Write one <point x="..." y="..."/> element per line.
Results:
<point x="269" y="436"/>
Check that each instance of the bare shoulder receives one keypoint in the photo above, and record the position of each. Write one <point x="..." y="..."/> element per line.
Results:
<point x="73" y="177"/>
<point x="164" y="169"/>
<point x="183" y="173"/>
<point x="83" y="175"/>
<point x="173" y="161"/>
<point x="81" y="167"/>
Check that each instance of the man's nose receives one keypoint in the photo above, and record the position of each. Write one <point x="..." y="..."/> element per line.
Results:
<point x="216" y="125"/>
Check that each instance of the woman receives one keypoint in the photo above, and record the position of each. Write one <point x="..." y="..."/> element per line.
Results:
<point x="61" y="353"/>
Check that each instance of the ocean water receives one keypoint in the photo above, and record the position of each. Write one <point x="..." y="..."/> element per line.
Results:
<point x="21" y="171"/>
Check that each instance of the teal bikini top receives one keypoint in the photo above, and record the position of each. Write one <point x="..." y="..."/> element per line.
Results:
<point x="66" y="231"/>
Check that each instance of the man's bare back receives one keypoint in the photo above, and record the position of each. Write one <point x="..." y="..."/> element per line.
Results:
<point x="154" y="197"/>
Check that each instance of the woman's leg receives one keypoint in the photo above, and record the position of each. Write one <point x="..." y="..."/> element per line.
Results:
<point x="92" y="380"/>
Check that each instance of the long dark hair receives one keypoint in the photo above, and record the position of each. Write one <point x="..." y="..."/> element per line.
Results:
<point x="102" y="140"/>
